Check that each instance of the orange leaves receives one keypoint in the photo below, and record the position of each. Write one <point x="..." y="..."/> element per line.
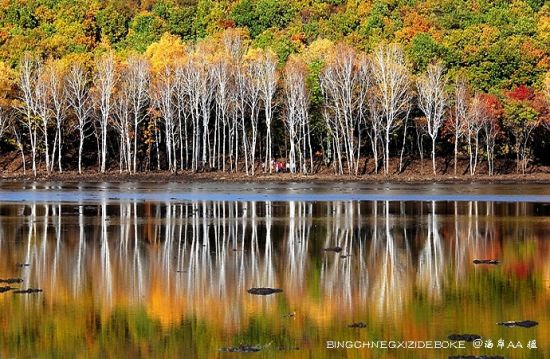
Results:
<point x="414" y="23"/>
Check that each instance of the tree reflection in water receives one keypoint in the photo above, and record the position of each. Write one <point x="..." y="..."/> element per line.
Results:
<point x="168" y="268"/>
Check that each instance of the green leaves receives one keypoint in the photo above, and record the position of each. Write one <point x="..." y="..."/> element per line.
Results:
<point x="260" y="15"/>
<point x="145" y="29"/>
<point x="424" y="50"/>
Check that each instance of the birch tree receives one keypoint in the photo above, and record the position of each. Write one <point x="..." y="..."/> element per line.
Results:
<point x="459" y="119"/>
<point x="182" y="104"/>
<point x="374" y="126"/>
<point x="163" y="94"/>
<point x="190" y="77"/>
<point x="122" y="108"/>
<point x="206" y="91"/>
<point x="43" y="113"/>
<point x="267" y="81"/>
<point x="221" y="73"/>
<point x="28" y="77"/>
<point x="56" y="82"/>
<point x="391" y="82"/>
<point x="78" y="98"/>
<point x="3" y="121"/>
<point x="491" y="129"/>
<point x="295" y="103"/>
<point x="474" y="125"/>
<point x="138" y="79"/>
<point x="253" y="90"/>
<point x="240" y="104"/>
<point x="339" y="81"/>
<point x="432" y="101"/>
<point x="104" y="83"/>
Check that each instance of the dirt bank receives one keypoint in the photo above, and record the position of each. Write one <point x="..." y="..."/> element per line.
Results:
<point x="413" y="172"/>
<point x="163" y="177"/>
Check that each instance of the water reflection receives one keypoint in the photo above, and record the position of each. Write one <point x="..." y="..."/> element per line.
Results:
<point x="405" y="267"/>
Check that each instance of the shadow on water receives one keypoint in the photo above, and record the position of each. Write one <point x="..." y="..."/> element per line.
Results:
<point x="153" y="278"/>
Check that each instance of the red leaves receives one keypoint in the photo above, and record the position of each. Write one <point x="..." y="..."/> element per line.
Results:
<point x="521" y="93"/>
<point x="492" y="106"/>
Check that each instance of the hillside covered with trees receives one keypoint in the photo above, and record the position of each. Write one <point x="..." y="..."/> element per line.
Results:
<point x="237" y="85"/>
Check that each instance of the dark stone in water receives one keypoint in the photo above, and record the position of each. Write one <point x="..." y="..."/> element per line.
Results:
<point x="242" y="349"/>
<point x="27" y="291"/>
<point x="358" y="325"/>
<point x="11" y="280"/>
<point x="486" y="261"/>
<point x="333" y="249"/>
<point x="23" y="265"/>
<point x="464" y="337"/>
<point x="5" y="289"/>
<point x="264" y="291"/>
<point x="476" y="357"/>
<point x="523" y="324"/>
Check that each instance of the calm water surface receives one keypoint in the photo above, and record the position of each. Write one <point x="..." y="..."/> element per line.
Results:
<point x="148" y="270"/>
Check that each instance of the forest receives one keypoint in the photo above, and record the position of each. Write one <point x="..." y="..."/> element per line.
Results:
<point x="242" y="86"/>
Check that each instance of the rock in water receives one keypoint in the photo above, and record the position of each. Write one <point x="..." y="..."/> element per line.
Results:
<point x="333" y="249"/>
<point x="358" y="325"/>
<point x="523" y="324"/>
<point x="5" y="289"/>
<point x="476" y="357"/>
<point x="486" y="261"/>
<point x="464" y="337"/>
<point x="11" y="280"/>
<point x="264" y="291"/>
<point x="28" y="291"/>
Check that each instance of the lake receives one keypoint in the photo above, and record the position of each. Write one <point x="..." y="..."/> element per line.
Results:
<point x="163" y="270"/>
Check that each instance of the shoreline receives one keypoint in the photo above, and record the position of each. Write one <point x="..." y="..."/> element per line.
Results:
<point x="188" y="176"/>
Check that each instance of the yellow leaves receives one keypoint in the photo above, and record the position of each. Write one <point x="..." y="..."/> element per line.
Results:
<point x="168" y="50"/>
<point x="479" y="38"/>
<point x="44" y="14"/>
<point x="546" y="88"/>
<point x="318" y="50"/>
<point x="84" y="59"/>
<point x="543" y="30"/>
<point x="253" y="53"/>
<point x="7" y="81"/>
<point x="257" y="55"/>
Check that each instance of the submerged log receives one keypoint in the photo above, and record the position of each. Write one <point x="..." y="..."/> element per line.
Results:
<point x="358" y="325"/>
<point x="11" y="280"/>
<point x="264" y="291"/>
<point x="5" y="289"/>
<point x="464" y="337"/>
<point x="333" y="249"/>
<point x="486" y="261"/>
<point x="27" y="291"/>
<point x="21" y="265"/>
<point x="523" y="324"/>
